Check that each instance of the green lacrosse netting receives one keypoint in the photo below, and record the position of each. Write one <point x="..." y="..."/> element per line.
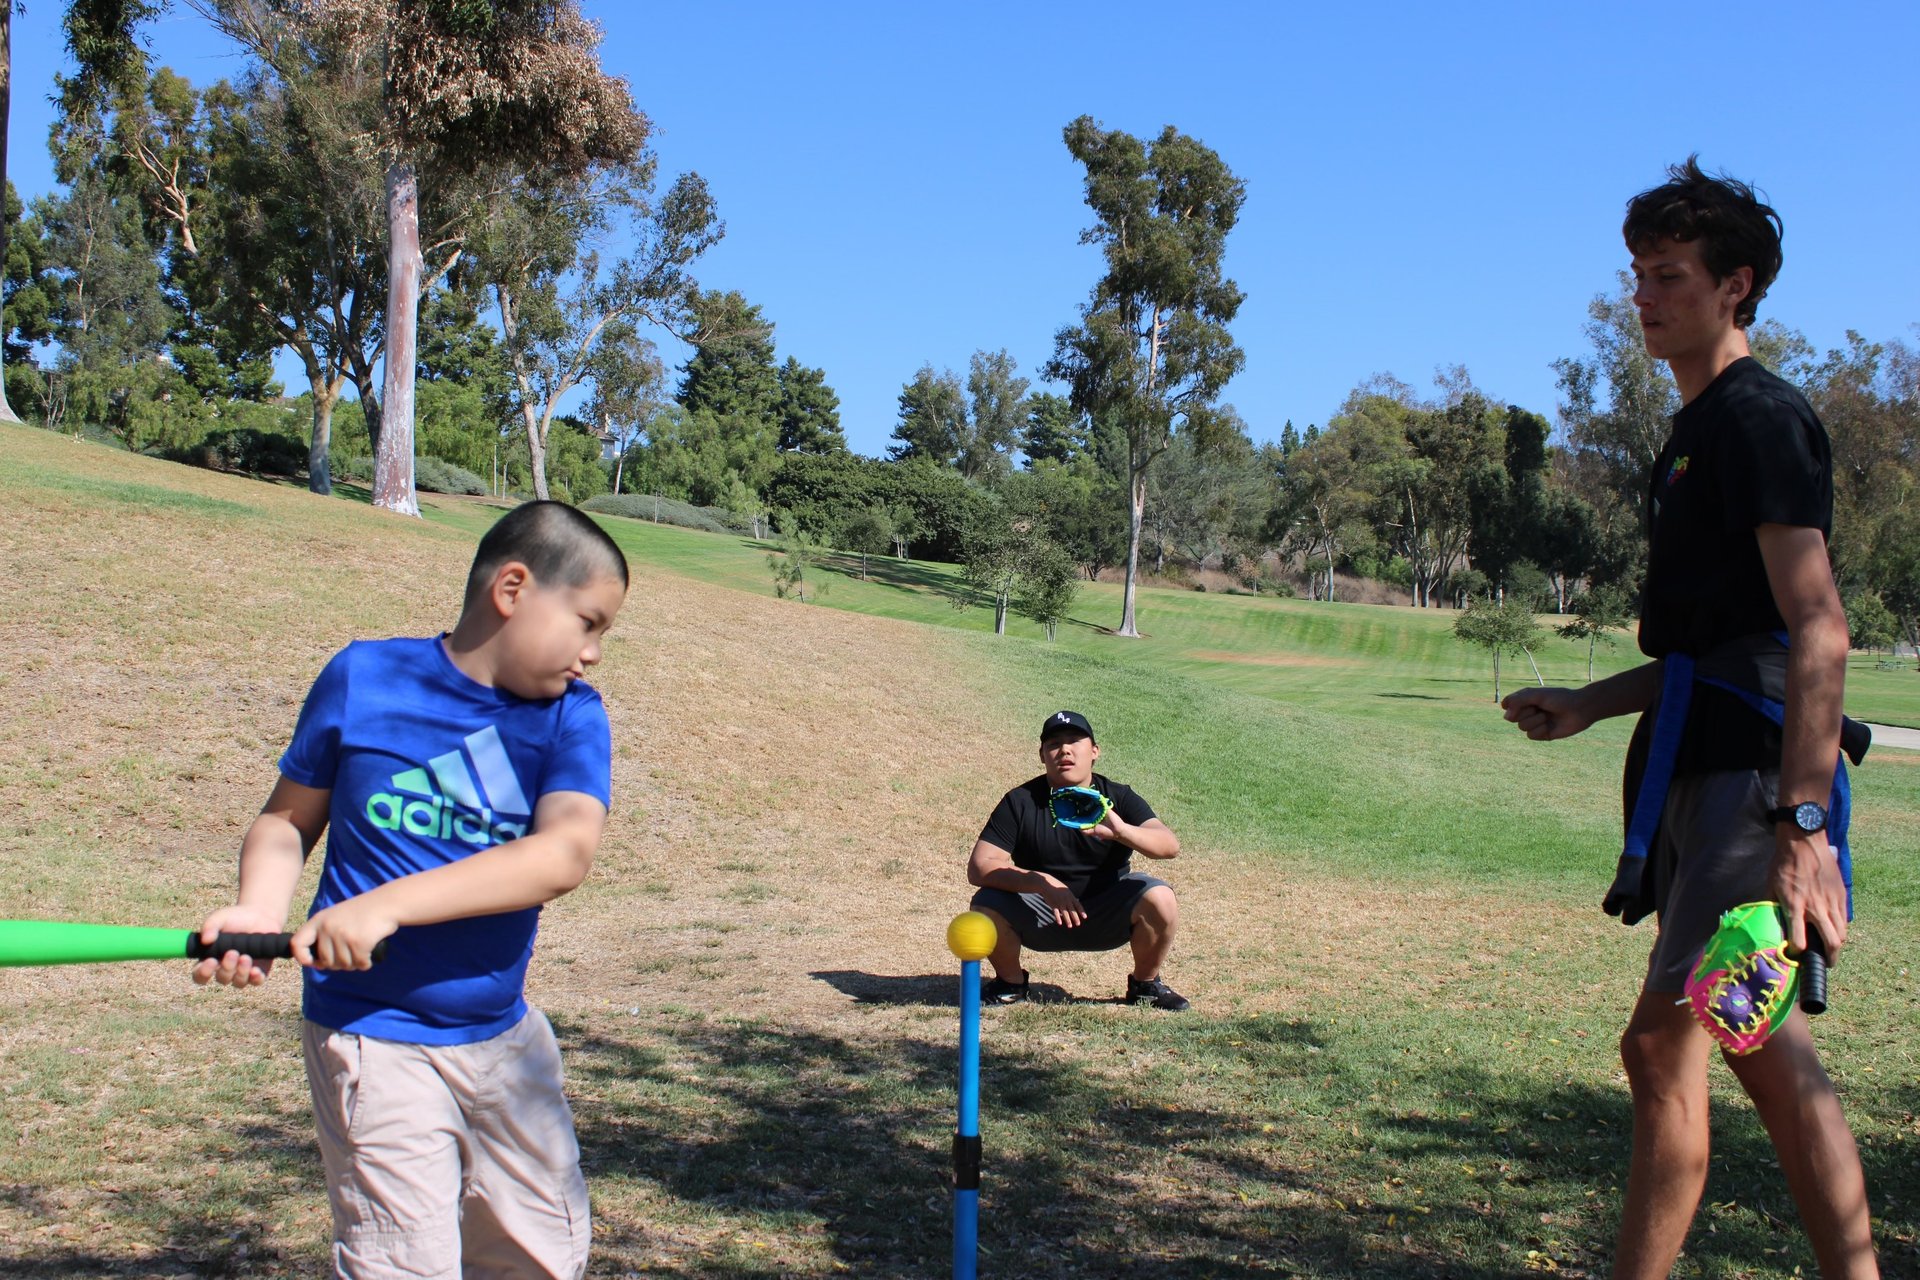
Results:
<point x="1745" y="985"/>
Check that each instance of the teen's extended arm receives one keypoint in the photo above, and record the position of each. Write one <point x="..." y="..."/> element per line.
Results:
<point x="551" y="859"/>
<point x="1806" y="876"/>
<point x="271" y="854"/>
<point x="1547" y="714"/>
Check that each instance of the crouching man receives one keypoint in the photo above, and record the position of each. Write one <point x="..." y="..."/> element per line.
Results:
<point x="1048" y="887"/>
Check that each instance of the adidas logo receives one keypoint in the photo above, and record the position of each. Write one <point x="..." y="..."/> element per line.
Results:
<point x="450" y="804"/>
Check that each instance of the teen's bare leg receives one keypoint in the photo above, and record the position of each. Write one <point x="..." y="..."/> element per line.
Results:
<point x="1005" y="956"/>
<point x="1796" y="1102"/>
<point x="1665" y="1052"/>
<point x="1155" y="917"/>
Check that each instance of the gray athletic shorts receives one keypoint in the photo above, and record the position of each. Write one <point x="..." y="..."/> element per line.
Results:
<point x="1109" y="921"/>
<point x="1713" y="852"/>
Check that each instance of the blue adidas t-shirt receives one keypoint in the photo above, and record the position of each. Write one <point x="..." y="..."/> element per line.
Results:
<point x="426" y="766"/>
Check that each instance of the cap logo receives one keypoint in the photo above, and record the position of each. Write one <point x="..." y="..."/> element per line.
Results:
<point x="1061" y="716"/>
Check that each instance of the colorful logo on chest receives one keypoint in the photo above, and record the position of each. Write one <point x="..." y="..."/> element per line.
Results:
<point x="1678" y="469"/>
<point x="446" y="801"/>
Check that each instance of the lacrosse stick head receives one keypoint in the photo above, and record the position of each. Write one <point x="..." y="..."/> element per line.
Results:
<point x="1745" y="984"/>
<point x="1078" y="808"/>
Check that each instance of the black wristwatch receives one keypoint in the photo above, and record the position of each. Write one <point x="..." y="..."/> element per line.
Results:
<point x="1806" y="815"/>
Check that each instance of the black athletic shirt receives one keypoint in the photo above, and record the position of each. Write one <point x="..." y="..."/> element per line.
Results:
<point x="1023" y="826"/>
<point x="1747" y="451"/>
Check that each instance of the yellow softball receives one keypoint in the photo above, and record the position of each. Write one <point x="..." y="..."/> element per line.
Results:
<point x="971" y="936"/>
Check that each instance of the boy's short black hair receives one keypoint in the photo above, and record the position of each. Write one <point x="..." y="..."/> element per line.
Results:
<point x="560" y="545"/>
<point x="1734" y="228"/>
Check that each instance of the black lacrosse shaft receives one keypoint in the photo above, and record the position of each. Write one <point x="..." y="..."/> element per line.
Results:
<point x="1813" y="974"/>
<point x="260" y="946"/>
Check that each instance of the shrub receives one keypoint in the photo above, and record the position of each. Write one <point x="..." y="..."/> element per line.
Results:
<point x="244" y="449"/>
<point x="644" y="506"/>
<point x="438" y="476"/>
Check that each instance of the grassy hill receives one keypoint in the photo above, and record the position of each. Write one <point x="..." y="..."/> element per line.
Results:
<point x="1401" y="1062"/>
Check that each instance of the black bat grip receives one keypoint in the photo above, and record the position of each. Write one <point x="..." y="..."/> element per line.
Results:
<point x="259" y="946"/>
<point x="1813" y="974"/>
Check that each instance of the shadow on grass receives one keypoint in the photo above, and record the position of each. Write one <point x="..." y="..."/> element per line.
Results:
<point x="934" y="990"/>
<point x="208" y="1234"/>
<point x="1414" y="697"/>
<point x="1093" y="1168"/>
<point x="904" y="575"/>
<point x="1259" y="1146"/>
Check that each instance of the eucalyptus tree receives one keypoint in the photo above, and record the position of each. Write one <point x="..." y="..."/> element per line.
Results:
<point x="1615" y="411"/>
<point x="108" y="313"/>
<point x="628" y="381"/>
<point x="996" y="411"/>
<point x="1152" y="349"/>
<point x="100" y="38"/>
<point x="1321" y="514"/>
<point x="1209" y="497"/>
<point x="465" y="91"/>
<point x="299" y="216"/>
<point x="29" y="289"/>
<point x="1866" y="399"/>
<point x="556" y="302"/>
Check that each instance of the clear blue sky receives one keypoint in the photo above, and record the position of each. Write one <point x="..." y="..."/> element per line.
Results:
<point x="1425" y="188"/>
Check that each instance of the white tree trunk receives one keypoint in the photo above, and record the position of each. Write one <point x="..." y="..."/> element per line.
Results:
<point x="320" y="446"/>
<point x="536" y="449"/>
<point x="393" y="459"/>
<point x="1137" y="508"/>
<point x="6" y="106"/>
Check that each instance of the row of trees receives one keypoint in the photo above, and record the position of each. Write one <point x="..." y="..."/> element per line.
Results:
<point x="375" y="151"/>
<point x="448" y="213"/>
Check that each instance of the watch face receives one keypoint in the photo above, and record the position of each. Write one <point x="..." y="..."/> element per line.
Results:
<point x="1809" y="816"/>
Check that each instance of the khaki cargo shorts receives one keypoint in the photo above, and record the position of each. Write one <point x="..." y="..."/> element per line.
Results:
<point x="446" y="1161"/>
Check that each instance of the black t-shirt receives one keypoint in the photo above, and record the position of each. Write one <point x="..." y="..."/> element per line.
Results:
<point x="1747" y="451"/>
<point x="1022" y="824"/>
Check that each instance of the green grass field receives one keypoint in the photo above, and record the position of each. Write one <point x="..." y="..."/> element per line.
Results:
<point x="1402" y="1057"/>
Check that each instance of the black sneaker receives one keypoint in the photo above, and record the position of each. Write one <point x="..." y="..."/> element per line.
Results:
<point x="1156" y="993"/>
<point x="997" y="990"/>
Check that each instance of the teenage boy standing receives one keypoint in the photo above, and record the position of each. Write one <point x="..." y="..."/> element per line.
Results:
<point x="1739" y="591"/>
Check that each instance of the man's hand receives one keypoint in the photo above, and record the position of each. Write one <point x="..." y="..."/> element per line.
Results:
<point x="1805" y="881"/>
<point x="234" y="969"/>
<point x="1153" y="838"/>
<point x="1547" y="714"/>
<point x="1067" y="911"/>
<point x="343" y="936"/>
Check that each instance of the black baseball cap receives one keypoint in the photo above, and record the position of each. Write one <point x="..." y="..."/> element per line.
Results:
<point x="1060" y="720"/>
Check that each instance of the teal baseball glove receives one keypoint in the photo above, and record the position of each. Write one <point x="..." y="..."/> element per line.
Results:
<point x="1078" y="807"/>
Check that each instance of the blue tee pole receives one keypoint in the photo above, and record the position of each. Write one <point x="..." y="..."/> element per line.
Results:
<point x="966" y="1138"/>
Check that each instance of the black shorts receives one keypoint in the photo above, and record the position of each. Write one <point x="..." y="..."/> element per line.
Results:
<point x="1714" y="851"/>
<point x="1108" y="925"/>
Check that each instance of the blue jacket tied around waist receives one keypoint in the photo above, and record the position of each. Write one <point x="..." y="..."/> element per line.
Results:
<point x="1761" y="660"/>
